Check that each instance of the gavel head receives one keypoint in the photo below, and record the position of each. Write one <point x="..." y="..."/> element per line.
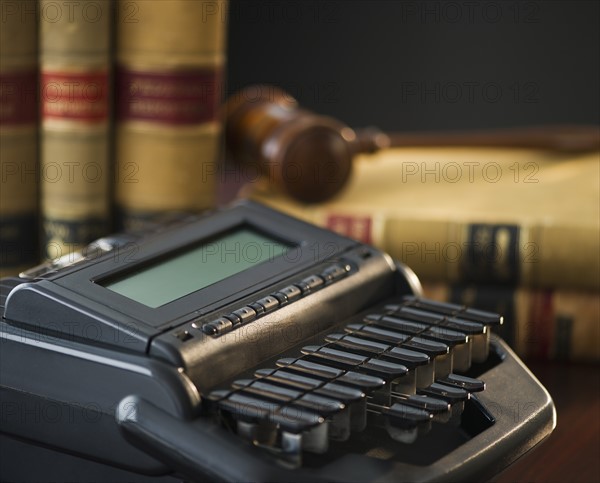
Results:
<point x="307" y="155"/>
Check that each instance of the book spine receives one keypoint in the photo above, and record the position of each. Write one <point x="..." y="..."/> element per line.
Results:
<point x="75" y="78"/>
<point x="170" y="57"/>
<point x="18" y="137"/>
<point x="542" y="324"/>
<point x="441" y="250"/>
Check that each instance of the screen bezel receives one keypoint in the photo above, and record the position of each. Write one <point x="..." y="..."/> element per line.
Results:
<point x="311" y="246"/>
<point x="171" y="257"/>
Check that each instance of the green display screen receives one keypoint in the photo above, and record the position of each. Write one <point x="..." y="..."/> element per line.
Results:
<point x="198" y="267"/>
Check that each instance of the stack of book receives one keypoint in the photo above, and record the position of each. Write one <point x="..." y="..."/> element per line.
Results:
<point x="513" y="231"/>
<point x="109" y="117"/>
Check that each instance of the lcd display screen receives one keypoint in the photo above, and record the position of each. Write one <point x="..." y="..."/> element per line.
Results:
<point x="198" y="267"/>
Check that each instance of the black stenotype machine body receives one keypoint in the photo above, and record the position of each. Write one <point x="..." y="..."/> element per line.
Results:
<point x="248" y="345"/>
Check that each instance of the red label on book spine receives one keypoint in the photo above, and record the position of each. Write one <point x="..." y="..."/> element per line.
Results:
<point x="357" y="227"/>
<point x="18" y="97"/>
<point x="75" y="96"/>
<point x="178" y="97"/>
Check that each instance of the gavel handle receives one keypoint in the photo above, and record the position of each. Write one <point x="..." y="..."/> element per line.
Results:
<point x="560" y="138"/>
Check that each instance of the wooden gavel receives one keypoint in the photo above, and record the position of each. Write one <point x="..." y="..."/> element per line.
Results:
<point x="310" y="156"/>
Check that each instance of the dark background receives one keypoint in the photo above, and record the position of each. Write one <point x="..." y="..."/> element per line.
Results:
<point x="411" y="65"/>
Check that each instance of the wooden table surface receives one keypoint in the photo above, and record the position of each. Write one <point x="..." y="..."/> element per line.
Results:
<point x="572" y="452"/>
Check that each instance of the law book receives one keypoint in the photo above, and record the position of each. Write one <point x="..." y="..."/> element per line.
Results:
<point x="75" y="57"/>
<point x="18" y="137"/>
<point x="546" y="324"/>
<point x="512" y="217"/>
<point x="170" y="60"/>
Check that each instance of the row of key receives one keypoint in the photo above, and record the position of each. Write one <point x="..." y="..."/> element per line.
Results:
<point x="394" y="369"/>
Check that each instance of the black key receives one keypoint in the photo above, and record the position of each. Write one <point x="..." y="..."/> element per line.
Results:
<point x="215" y="396"/>
<point x="336" y="358"/>
<point x="426" y="403"/>
<point x="406" y="417"/>
<point x="281" y="298"/>
<point x="488" y="318"/>
<point x="314" y="369"/>
<point x="415" y="315"/>
<point x="289" y="379"/>
<point x="347" y="395"/>
<point x="447" y="393"/>
<point x="446" y="336"/>
<point x="395" y="323"/>
<point x="235" y="319"/>
<point x="374" y="333"/>
<point x="291" y="292"/>
<point x="363" y="382"/>
<point x="333" y="273"/>
<point x="342" y="393"/>
<point x="313" y="282"/>
<point x="407" y="357"/>
<point x="429" y="347"/>
<point x="258" y="308"/>
<point x="356" y="345"/>
<point x="432" y="306"/>
<point x="388" y="371"/>
<point x="304" y="288"/>
<point x="463" y="382"/>
<point x="469" y="328"/>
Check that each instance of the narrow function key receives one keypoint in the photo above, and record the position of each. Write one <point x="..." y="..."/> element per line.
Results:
<point x="456" y="397"/>
<point x="281" y="376"/>
<point x="291" y="292"/>
<point x="258" y="308"/>
<point x="218" y="326"/>
<point x="334" y="273"/>
<point x="313" y="282"/>
<point x="245" y="314"/>
<point x="426" y="403"/>
<point x="440" y="410"/>
<point x="281" y="298"/>
<point x="269" y="303"/>
<point x="235" y="320"/>
<point x="460" y="325"/>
